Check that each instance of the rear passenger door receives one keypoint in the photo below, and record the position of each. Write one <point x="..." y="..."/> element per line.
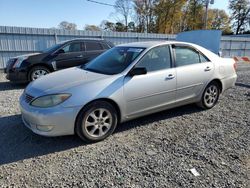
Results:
<point x="92" y="50"/>
<point x="193" y="70"/>
<point x="71" y="55"/>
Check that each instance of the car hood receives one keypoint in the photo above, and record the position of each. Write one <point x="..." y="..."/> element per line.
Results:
<point x="62" y="80"/>
<point x="33" y="57"/>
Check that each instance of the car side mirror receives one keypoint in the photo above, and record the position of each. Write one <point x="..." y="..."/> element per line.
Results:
<point x="138" y="71"/>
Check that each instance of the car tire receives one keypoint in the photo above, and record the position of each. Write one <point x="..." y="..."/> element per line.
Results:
<point x="37" y="72"/>
<point x="210" y="96"/>
<point x="96" y="121"/>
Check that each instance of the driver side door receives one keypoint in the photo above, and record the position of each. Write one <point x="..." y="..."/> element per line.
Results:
<point x="72" y="56"/>
<point x="150" y="92"/>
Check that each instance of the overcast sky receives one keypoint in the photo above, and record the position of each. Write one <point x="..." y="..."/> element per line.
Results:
<point x="49" y="13"/>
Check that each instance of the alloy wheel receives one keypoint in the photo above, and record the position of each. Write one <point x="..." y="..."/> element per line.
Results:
<point x="38" y="73"/>
<point x="98" y="122"/>
<point x="211" y="95"/>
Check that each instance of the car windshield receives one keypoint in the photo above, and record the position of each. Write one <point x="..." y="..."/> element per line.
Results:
<point x="114" y="61"/>
<point x="52" y="48"/>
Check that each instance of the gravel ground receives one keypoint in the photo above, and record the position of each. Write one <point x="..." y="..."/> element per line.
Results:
<point x="155" y="151"/>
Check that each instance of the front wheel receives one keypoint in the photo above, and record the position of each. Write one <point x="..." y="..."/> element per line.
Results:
<point x="210" y="96"/>
<point x="37" y="72"/>
<point x="96" y="121"/>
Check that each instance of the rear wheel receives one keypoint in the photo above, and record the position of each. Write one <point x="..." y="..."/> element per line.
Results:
<point x="96" y="121"/>
<point x="37" y="72"/>
<point x="210" y="96"/>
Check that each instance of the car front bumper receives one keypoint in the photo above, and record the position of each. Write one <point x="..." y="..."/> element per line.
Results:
<point x="16" y="75"/>
<point x="54" y="121"/>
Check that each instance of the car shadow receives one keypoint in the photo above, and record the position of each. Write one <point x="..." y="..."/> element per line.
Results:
<point x="242" y="85"/>
<point x="163" y="115"/>
<point x="4" y="86"/>
<point x="18" y="143"/>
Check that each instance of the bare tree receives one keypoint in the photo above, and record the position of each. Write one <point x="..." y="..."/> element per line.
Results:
<point x="67" y="26"/>
<point x="240" y="14"/>
<point x="124" y="8"/>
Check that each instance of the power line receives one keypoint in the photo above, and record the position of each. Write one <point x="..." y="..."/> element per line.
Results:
<point x="107" y="4"/>
<point x="101" y="3"/>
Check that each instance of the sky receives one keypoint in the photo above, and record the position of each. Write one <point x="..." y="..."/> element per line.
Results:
<point x="49" y="13"/>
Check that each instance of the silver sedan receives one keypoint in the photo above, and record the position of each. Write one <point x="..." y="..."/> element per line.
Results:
<point x="126" y="82"/>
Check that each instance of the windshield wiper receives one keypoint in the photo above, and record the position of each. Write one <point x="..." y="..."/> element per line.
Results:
<point x="93" y="70"/>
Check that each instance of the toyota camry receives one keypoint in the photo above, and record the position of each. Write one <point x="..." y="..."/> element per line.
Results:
<point x="126" y="82"/>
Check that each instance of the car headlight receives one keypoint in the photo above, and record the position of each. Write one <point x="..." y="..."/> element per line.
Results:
<point x="50" y="100"/>
<point x="19" y="61"/>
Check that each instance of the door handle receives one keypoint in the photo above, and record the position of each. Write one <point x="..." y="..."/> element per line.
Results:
<point x="79" y="56"/>
<point x="207" y="69"/>
<point x="170" y="76"/>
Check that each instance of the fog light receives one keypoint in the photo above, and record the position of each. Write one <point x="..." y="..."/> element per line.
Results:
<point x="45" y="128"/>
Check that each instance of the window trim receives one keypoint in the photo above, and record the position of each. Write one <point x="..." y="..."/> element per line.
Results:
<point x="173" y="46"/>
<point x="170" y="53"/>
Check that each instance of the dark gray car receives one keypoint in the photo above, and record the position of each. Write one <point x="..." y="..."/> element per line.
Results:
<point x="67" y="54"/>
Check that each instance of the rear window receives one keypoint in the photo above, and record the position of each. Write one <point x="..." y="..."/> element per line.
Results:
<point x="93" y="46"/>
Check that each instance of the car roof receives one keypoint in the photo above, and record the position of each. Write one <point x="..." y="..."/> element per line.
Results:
<point x="150" y="44"/>
<point x="83" y="39"/>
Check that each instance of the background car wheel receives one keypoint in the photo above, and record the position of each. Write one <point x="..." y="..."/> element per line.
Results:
<point x="210" y="96"/>
<point x="96" y="121"/>
<point x="37" y="72"/>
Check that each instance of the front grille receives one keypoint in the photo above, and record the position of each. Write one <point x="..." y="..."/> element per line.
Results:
<point x="28" y="98"/>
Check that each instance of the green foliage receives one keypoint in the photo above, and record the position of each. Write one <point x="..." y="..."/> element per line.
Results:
<point x="218" y="19"/>
<point x="92" y="28"/>
<point x="120" y="27"/>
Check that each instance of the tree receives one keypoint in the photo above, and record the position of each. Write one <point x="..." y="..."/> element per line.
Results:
<point x="131" y="27"/>
<point x="144" y="12"/>
<point x="92" y="28"/>
<point x="107" y="25"/>
<point x="240" y="15"/>
<point x="124" y="8"/>
<point x="120" y="27"/>
<point x="195" y="14"/>
<point x="67" y="25"/>
<point x="218" y="19"/>
<point x="169" y="15"/>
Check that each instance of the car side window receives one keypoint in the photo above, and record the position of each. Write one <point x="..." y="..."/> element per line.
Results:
<point x="203" y="58"/>
<point x="156" y="59"/>
<point x="186" y="56"/>
<point x="93" y="46"/>
<point x="73" y="47"/>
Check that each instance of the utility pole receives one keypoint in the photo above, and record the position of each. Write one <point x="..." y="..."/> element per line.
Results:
<point x="206" y="12"/>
